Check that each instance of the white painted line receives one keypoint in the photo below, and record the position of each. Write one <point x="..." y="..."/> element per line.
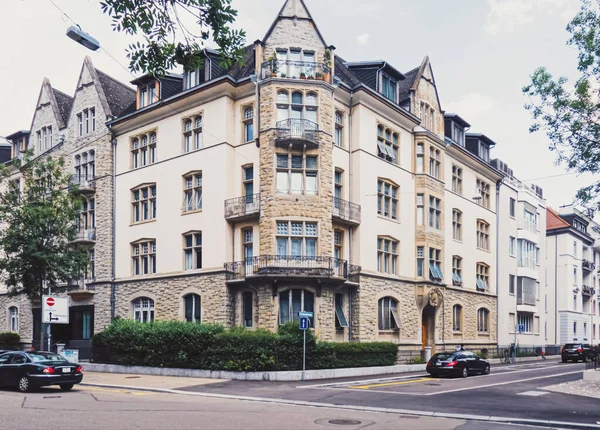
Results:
<point x="359" y="408"/>
<point x="533" y="393"/>
<point x="502" y="383"/>
<point x="363" y="381"/>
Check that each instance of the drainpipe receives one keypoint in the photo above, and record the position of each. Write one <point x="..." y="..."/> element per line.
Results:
<point x="351" y="229"/>
<point x="556" y="291"/>
<point x="498" y="185"/>
<point x="113" y="227"/>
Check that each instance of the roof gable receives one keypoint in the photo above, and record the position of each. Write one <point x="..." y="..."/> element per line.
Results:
<point x="554" y="220"/>
<point x="48" y="96"/>
<point x="425" y="72"/>
<point x="296" y="10"/>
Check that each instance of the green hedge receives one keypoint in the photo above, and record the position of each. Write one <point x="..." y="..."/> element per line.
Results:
<point x="206" y="346"/>
<point x="9" y="340"/>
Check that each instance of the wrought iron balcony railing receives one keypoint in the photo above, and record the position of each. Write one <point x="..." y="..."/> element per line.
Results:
<point x="290" y="266"/>
<point x="295" y="130"/>
<point x="346" y="211"/>
<point x="85" y="236"/>
<point x="292" y="69"/>
<point x="588" y="265"/>
<point x="84" y="182"/>
<point x="242" y="207"/>
<point x="588" y="291"/>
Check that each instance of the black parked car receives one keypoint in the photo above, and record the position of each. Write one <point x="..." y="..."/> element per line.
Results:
<point x="459" y="363"/>
<point x="32" y="369"/>
<point x="577" y="351"/>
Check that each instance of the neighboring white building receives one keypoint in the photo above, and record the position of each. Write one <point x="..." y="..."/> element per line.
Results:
<point x="522" y="290"/>
<point x="572" y="260"/>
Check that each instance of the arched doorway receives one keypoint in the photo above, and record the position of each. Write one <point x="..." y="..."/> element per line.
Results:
<point x="428" y="326"/>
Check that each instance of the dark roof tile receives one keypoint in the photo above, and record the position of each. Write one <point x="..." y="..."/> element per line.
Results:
<point x="65" y="103"/>
<point x="118" y="95"/>
<point x="405" y="85"/>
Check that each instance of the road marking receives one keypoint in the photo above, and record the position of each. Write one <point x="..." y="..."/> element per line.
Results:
<point x="502" y="383"/>
<point x="107" y="390"/>
<point x="362" y="381"/>
<point x="533" y="393"/>
<point x="387" y="384"/>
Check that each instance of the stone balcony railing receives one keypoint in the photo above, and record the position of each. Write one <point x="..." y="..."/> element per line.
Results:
<point x="296" y="131"/>
<point x="244" y="207"/>
<point x="293" y="69"/>
<point x="85" y="183"/>
<point x="346" y="211"/>
<point x="85" y="236"/>
<point x="290" y="266"/>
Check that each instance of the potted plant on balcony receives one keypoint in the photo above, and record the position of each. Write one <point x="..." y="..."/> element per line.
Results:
<point x="310" y="77"/>
<point x="319" y="76"/>
<point x="327" y="63"/>
<point x="282" y="75"/>
<point x="274" y="66"/>
<point x="303" y="75"/>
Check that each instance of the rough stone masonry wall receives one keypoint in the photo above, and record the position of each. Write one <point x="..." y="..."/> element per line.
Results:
<point x="168" y="293"/>
<point x="290" y="33"/>
<point x="23" y="304"/>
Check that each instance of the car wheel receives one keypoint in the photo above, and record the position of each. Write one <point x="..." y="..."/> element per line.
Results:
<point x="584" y="359"/>
<point x="465" y="372"/>
<point x="66" y="387"/>
<point x="486" y="371"/>
<point x="24" y="384"/>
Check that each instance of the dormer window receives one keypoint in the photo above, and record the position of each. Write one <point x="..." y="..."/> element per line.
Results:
<point x="458" y="134"/>
<point x="147" y="94"/>
<point x="195" y="77"/>
<point x="388" y="88"/>
<point x="484" y="152"/>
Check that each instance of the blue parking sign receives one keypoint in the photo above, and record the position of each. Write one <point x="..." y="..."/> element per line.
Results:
<point x="303" y="323"/>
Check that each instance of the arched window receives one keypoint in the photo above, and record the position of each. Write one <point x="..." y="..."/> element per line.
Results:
<point x="13" y="319"/>
<point x="311" y="99"/>
<point x="248" y="124"/>
<point x="379" y="131"/>
<point x="193" y="309"/>
<point x="293" y="301"/>
<point x="388" y="316"/>
<point x="188" y="125"/>
<point x="198" y="132"/>
<point x="144" y="140"/>
<point x="283" y="97"/>
<point x="483" y="318"/>
<point x="457" y="318"/>
<point x="198" y="122"/>
<point x="297" y="98"/>
<point x="152" y="138"/>
<point x="143" y="309"/>
<point x="77" y="160"/>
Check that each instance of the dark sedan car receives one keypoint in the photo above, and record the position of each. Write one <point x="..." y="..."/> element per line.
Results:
<point x="459" y="363"/>
<point x="32" y="369"/>
<point x="577" y="351"/>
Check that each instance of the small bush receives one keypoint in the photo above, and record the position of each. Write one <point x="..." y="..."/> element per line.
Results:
<point x="9" y="340"/>
<point x="205" y="346"/>
<point x="417" y="360"/>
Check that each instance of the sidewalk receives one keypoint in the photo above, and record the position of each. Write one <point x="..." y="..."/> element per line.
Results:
<point x="142" y="382"/>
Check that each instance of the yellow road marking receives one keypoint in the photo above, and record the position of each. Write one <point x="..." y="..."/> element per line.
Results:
<point x="386" y="384"/>
<point x="112" y="390"/>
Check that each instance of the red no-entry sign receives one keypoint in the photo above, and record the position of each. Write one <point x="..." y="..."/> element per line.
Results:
<point x="50" y="301"/>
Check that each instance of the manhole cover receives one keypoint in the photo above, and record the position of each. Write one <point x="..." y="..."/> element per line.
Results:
<point x="345" y="422"/>
<point x="435" y="384"/>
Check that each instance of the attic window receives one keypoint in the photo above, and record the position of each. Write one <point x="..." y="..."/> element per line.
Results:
<point x="388" y="87"/>
<point x="147" y="94"/>
<point x="195" y="77"/>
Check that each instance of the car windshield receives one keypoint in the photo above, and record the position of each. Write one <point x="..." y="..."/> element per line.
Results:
<point x="441" y="356"/>
<point x="571" y="345"/>
<point x="37" y="357"/>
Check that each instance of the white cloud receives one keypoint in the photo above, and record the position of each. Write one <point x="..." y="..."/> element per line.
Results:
<point x="508" y="15"/>
<point x="363" y="38"/>
<point x="471" y="105"/>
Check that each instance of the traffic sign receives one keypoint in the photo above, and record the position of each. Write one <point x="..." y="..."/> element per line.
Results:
<point x="303" y="323"/>
<point x="521" y="328"/>
<point x="55" y="310"/>
<point x="304" y="314"/>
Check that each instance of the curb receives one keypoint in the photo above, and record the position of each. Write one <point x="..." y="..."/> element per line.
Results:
<point x="485" y="418"/>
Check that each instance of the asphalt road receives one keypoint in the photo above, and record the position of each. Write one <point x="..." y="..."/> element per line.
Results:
<point x="104" y="408"/>
<point x="510" y="391"/>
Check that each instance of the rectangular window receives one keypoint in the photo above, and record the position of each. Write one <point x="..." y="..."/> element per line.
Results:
<point x="483" y="190"/>
<point x="457" y="185"/>
<point x="420" y="261"/>
<point x="192" y="192"/>
<point x="527" y="291"/>
<point x="511" y="284"/>
<point x="457" y="270"/>
<point x="387" y="144"/>
<point x="387" y="256"/>
<point x="434" y="162"/>
<point x="248" y="309"/>
<point x="483" y="235"/>
<point x="339" y="127"/>
<point x="296" y="239"/>
<point x="297" y="174"/>
<point x="420" y="209"/>
<point x="483" y="277"/>
<point x="143" y="255"/>
<point x="86" y="119"/>
<point x="512" y="207"/>
<point x="248" y="244"/>
<point x="338" y="244"/>
<point x="435" y="212"/>
<point x="248" y="123"/>
<point x="530" y="221"/>
<point x="456" y="224"/>
<point x="340" y="317"/>
<point x="525" y="321"/>
<point x="420" y="158"/>
<point x="50" y="144"/>
<point x="93" y="118"/>
<point x="388" y="88"/>
<point x="80" y="124"/>
<point x="144" y="203"/>
<point x="435" y="265"/>
<point x="511" y="246"/>
<point x="387" y="199"/>
<point x="192" y="250"/>
<point x="526" y="254"/>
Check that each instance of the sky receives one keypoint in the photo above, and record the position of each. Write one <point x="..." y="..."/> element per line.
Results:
<point x="482" y="53"/>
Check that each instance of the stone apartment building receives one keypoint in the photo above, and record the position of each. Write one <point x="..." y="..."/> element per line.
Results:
<point x="294" y="181"/>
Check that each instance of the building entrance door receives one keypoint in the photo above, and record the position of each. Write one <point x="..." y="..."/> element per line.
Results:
<point x="428" y="326"/>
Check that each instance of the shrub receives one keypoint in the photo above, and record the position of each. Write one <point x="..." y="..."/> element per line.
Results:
<point x="206" y="346"/>
<point x="9" y="340"/>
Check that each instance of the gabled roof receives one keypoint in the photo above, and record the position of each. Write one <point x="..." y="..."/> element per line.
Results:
<point x="482" y="137"/>
<point x="294" y="9"/>
<point x="65" y="103"/>
<point x="345" y="74"/>
<point x="118" y="95"/>
<point x="406" y="85"/>
<point x="53" y="96"/>
<point x="554" y="220"/>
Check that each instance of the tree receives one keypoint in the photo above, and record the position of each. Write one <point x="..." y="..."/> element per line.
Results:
<point x="570" y="114"/>
<point x="160" y="22"/>
<point x="40" y="214"/>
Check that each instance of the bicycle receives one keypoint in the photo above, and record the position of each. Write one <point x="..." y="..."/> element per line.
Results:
<point x="507" y="357"/>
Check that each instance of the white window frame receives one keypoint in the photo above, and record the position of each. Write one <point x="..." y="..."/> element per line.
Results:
<point x="143" y="309"/>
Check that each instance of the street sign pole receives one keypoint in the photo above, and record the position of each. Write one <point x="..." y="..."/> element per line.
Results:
<point x="48" y="329"/>
<point x="304" y="356"/>
<point x="304" y="321"/>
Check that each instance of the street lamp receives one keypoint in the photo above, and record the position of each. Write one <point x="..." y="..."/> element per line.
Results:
<point x="81" y="37"/>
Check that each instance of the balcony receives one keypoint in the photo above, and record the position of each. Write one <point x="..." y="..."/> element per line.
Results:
<point x="586" y="290"/>
<point x="85" y="237"/>
<point x="346" y="212"/>
<point x="588" y="265"/>
<point x="242" y="208"/>
<point x="292" y="69"/>
<point x="80" y="290"/>
<point x="274" y="266"/>
<point x="297" y="132"/>
<point x="85" y="184"/>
